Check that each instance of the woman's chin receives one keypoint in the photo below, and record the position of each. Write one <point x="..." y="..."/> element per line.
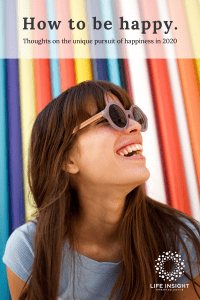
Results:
<point x="141" y="176"/>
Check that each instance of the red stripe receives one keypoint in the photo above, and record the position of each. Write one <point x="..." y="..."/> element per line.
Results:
<point x="167" y="129"/>
<point x="128" y="79"/>
<point x="191" y="95"/>
<point x="67" y="73"/>
<point x="43" y="83"/>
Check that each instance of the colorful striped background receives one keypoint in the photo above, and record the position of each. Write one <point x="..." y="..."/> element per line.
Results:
<point x="168" y="90"/>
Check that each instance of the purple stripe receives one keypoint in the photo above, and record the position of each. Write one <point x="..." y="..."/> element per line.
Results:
<point x="17" y="210"/>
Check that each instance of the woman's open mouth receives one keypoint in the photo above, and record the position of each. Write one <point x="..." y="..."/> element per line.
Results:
<point x="131" y="150"/>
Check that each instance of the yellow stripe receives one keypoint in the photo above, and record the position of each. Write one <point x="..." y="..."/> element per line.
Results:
<point x="83" y="70"/>
<point x="83" y="66"/>
<point x="197" y="63"/>
<point x="193" y="16"/>
<point x="28" y="115"/>
<point x="27" y="96"/>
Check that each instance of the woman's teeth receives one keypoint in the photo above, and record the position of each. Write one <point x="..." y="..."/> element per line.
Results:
<point x="134" y="149"/>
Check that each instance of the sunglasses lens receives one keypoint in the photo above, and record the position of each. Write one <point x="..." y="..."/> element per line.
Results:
<point x="117" y="116"/>
<point x="139" y="117"/>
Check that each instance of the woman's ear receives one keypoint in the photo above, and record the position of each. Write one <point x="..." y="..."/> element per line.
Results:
<point x="70" y="166"/>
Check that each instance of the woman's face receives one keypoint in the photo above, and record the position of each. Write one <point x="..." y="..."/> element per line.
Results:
<point x="96" y="154"/>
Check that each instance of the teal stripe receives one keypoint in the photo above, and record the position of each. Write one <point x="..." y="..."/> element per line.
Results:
<point x="53" y="50"/>
<point x="113" y="71"/>
<point x="55" y="77"/>
<point x="4" y="211"/>
<point x="4" y="199"/>
<point x="113" y="65"/>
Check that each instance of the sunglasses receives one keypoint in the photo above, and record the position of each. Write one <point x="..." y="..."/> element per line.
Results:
<point x="117" y="116"/>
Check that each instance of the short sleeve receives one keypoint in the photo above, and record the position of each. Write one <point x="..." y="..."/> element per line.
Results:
<point x="19" y="254"/>
<point x="195" y="267"/>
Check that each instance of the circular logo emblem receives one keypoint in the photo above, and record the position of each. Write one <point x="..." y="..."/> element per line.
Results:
<point x="179" y="266"/>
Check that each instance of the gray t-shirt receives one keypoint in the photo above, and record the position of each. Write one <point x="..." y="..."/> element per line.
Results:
<point x="93" y="280"/>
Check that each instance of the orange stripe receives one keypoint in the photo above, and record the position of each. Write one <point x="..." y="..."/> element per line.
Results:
<point x="170" y="145"/>
<point x="67" y="65"/>
<point x="191" y="95"/>
<point x="41" y="66"/>
<point x="43" y="83"/>
<point x="67" y="73"/>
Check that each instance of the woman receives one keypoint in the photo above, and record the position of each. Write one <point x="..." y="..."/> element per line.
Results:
<point x="98" y="234"/>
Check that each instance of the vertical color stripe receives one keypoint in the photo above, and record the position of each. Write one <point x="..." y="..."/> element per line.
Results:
<point x="17" y="210"/>
<point x="189" y="82"/>
<point x="142" y="97"/>
<point x="122" y="73"/>
<point x="11" y="29"/>
<point x="53" y="51"/>
<point x="128" y="79"/>
<point x="42" y="82"/>
<point x="184" y="36"/>
<point x="191" y="95"/>
<point x="113" y="65"/>
<point x="28" y="115"/>
<point x="27" y="99"/>
<point x="193" y="16"/>
<point x="55" y="77"/>
<point x="99" y="66"/>
<point x="124" y="52"/>
<point x="83" y="68"/>
<point x="176" y="182"/>
<point x="67" y="67"/>
<point x="181" y="117"/>
<point x="169" y="135"/>
<point x="41" y="65"/>
<point x="2" y="31"/>
<point x="4" y="201"/>
<point x="67" y="73"/>
<point x="100" y="69"/>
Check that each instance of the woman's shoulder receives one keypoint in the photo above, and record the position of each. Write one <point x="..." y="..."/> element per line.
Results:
<point x="22" y="234"/>
<point x="184" y="230"/>
<point x="189" y="228"/>
<point x="189" y="248"/>
<point x="19" y="252"/>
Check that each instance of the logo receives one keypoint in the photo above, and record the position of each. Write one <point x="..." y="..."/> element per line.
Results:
<point x="179" y="266"/>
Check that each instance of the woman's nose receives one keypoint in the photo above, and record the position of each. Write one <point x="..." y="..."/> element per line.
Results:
<point x="133" y="126"/>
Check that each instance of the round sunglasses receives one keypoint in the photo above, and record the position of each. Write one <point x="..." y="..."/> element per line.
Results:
<point x="117" y="116"/>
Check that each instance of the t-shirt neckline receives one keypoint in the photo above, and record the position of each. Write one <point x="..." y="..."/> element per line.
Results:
<point x="92" y="260"/>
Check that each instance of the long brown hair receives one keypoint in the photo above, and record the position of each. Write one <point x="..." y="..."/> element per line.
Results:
<point x="148" y="228"/>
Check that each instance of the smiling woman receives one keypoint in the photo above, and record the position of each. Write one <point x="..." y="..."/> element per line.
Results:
<point x="96" y="234"/>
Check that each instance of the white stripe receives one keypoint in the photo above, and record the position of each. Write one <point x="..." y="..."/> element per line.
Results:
<point x="142" y="97"/>
<point x="24" y="11"/>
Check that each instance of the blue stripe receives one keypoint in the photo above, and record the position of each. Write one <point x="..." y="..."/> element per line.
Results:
<point x="4" y="199"/>
<point x="100" y="69"/>
<point x="53" y="50"/>
<point x="113" y="65"/>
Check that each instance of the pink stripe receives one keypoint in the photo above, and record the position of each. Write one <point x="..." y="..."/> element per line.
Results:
<point x="63" y="14"/>
<point x="177" y="14"/>
<point x="148" y="11"/>
<point x="38" y="10"/>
